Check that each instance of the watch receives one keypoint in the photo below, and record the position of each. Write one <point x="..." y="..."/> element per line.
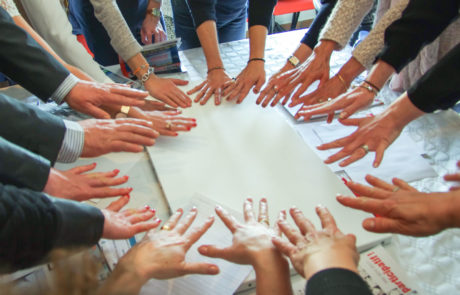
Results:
<point x="293" y="60"/>
<point x="155" y="12"/>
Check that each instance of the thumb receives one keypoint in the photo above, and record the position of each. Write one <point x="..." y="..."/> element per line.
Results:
<point x="118" y="204"/>
<point x="179" y="81"/>
<point x="213" y="251"/>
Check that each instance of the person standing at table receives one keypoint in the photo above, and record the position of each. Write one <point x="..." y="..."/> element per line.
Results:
<point x="208" y="22"/>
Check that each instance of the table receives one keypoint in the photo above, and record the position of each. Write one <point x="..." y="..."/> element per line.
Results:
<point x="431" y="262"/>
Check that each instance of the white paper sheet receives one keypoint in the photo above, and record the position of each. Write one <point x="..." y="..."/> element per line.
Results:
<point x="244" y="150"/>
<point x="402" y="159"/>
<point x="231" y="275"/>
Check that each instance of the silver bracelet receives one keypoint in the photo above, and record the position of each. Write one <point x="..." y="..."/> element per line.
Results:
<point x="146" y="76"/>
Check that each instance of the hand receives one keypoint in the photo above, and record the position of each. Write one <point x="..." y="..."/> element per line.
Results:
<point x="311" y="251"/>
<point x="152" y="26"/>
<point x="88" y="97"/>
<point x="349" y="102"/>
<point x="167" y="91"/>
<point x="169" y="123"/>
<point x="398" y="184"/>
<point x="216" y="82"/>
<point x="156" y="105"/>
<point x="454" y="177"/>
<point x="75" y="185"/>
<point x="373" y="134"/>
<point x="127" y="223"/>
<point x="253" y="75"/>
<point x="403" y="211"/>
<point x="252" y="245"/>
<point x="251" y="239"/>
<point x="270" y="91"/>
<point x="120" y="135"/>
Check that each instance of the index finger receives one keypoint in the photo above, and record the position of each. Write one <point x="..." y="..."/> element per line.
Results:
<point x="197" y="232"/>
<point x="368" y="191"/>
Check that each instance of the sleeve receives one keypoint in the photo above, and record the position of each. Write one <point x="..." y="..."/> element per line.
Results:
<point x="72" y="145"/>
<point x="260" y="12"/>
<point x="121" y="38"/>
<point x="337" y="281"/>
<point x="439" y="87"/>
<point x="10" y="7"/>
<point x="31" y="128"/>
<point x="346" y="17"/>
<point x="21" y="167"/>
<point x="367" y="50"/>
<point x="311" y="36"/>
<point x="50" y="20"/>
<point x="202" y="10"/>
<point x="26" y="62"/>
<point x="33" y="224"/>
<point x="420" y="24"/>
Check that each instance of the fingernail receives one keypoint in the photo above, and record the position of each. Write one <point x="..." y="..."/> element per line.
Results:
<point x="204" y="249"/>
<point x="375" y="165"/>
<point x="158" y="220"/>
<point x="179" y="210"/>
<point x="176" y="134"/>
<point x="147" y="207"/>
<point x="263" y="200"/>
<point x="94" y="163"/>
<point x="193" y="208"/>
<point x="116" y="171"/>
<point x="370" y="224"/>
<point x="320" y="206"/>
<point x="218" y="207"/>
<point x="213" y="269"/>
<point x="188" y="128"/>
<point x="130" y="189"/>
<point x="126" y="177"/>
<point x="153" y="211"/>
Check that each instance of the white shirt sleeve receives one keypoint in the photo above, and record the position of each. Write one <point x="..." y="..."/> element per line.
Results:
<point x="50" y="20"/>
<point x="10" y="7"/>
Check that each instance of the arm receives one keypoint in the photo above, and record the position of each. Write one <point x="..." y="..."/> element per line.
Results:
<point x="420" y="24"/>
<point x="50" y="20"/>
<point x="151" y="24"/>
<point x="42" y="74"/>
<point x="439" y="87"/>
<point x="45" y="223"/>
<point x="345" y="18"/>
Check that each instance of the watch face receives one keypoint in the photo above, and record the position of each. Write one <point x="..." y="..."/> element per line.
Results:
<point x="293" y="60"/>
<point x="156" y="12"/>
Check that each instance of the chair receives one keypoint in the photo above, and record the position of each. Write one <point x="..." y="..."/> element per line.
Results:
<point x="293" y="6"/>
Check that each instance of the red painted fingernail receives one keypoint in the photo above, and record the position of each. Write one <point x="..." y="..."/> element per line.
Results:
<point x="126" y="177"/>
<point x="176" y="134"/>
<point x="153" y="211"/>
<point x="129" y="196"/>
<point x="147" y="207"/>
<point x="116" y="171"/>
<point x="189" y="128"/>
<point x="94" y="163"/>
<point x="130" y="189"/>
<point x="158" y="220"/>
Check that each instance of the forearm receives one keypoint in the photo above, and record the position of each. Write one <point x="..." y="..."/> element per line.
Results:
<point x="257" y="36"/>
<point x="122" y="282"/>
<point x="324" y="49"/>
<point x="272" y="275"/>
<point x="121" y="38"/>
<point x="139" y="64"/>
<point x="207" y="33"/>
<point x="380" y="73"/>
<point x="344" y="19"/>
<point x="311" y="37"/>
<point x="367" y="50"/>
<point x="350" y="70"/>
<point x="335" y="259"/>
<point x="401" y="112"/>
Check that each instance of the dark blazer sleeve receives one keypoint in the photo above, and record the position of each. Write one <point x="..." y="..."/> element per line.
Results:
<point x="421" y="22"/>
<point x="439" y="88"/>
<point x="26" y="62"/>
<point x="337" y="281"/>
<point x="32" y="224"/>
<point x="21" y="167"/>
<point x="31" y="128"/>
<point x="311" y="36"/>
<point x="260" y="12"/>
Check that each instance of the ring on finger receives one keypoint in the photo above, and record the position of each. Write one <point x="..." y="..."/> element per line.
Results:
<point x="168" y="125"/>
<point x="396" y="188"/>
<point x="276" y="88"/>
<point x="165" y="227"/>
<point x="264" y="220"/>
<point x="365" y="147"/>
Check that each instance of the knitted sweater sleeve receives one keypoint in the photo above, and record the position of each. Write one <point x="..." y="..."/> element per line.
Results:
<point x="366" y="51"/>
<point x="121" y="38"/>
<point x="345" y="18"/>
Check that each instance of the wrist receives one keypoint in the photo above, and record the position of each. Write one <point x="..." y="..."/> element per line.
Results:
<point x="324" y="48"/>
<point x="268" y="260"/>
<point x="123" y="281"/>
<point x="401" y="112"/>
<point x="449" y="208"/>
<point x="318" y="262"/>
<point x="351" y="70"/>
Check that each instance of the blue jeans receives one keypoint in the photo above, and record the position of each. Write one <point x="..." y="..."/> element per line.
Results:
<point x="81" y="15"/>
<point x="231" y="22"/>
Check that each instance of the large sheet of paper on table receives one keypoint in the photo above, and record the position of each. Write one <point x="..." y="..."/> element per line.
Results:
<point x="244" y="150"/>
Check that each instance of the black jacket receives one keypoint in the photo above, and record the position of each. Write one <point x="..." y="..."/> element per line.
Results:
<point x="32" y="224"/>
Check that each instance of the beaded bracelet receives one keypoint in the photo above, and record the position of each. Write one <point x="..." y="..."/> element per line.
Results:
<point x="141" y="67"/>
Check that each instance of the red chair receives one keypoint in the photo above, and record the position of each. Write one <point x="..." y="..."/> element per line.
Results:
<point x="293" y="6"/>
